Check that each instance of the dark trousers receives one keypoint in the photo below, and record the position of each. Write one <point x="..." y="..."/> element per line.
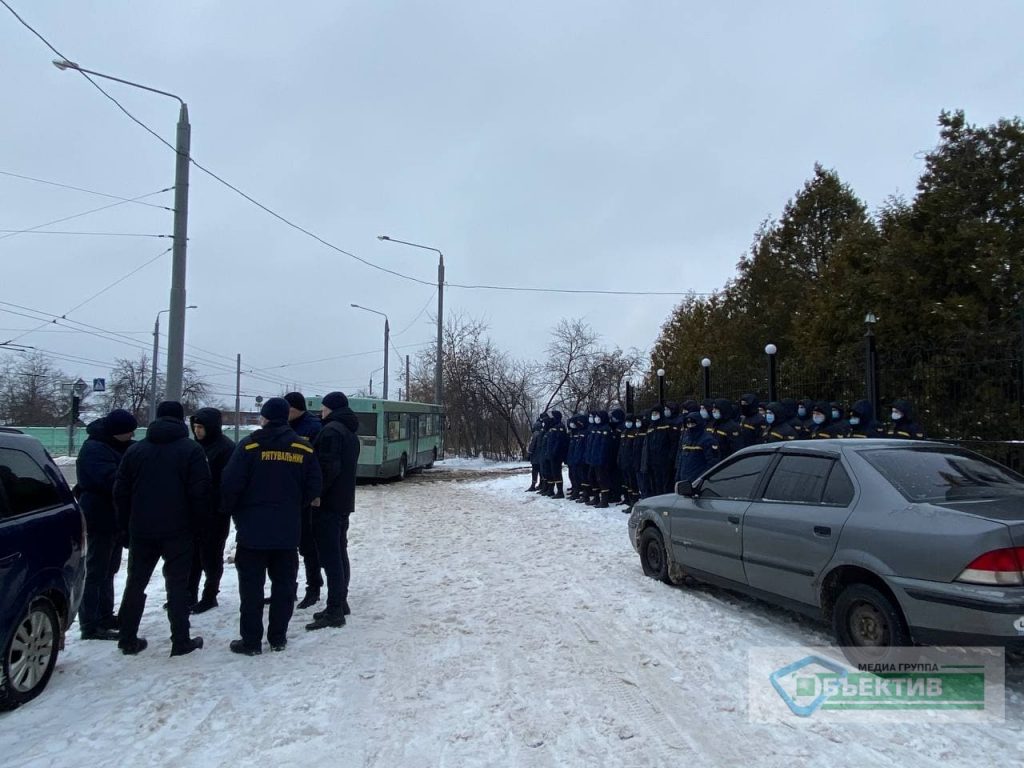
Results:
<point x="254" y="565"/>
<point x="344" y="557"/>
<point x="574" y="477"/>
<point x="605" y="479"/>
<point x="102" y="561"/>
<point x="310" y="554"/>
<point x="554" y="471"/>
<point x="209" y="557"/>
<point x="143" y="555"/>
<point x="643" y="485"/>
<point x="327" y="531"/>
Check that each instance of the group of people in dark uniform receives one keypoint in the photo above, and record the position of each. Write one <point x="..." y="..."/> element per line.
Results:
<point x="291" y="483"/>
<point x="617" y="457"/>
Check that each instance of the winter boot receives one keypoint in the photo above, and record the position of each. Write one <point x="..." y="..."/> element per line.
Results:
<point x="312" y="597"/>
<point x="100" y="633"/>
<point x="194" y="644"/>
<point x="208" y="601"/>
<point x="532" y="488"/>
<point x="548" y="489"/>
<point x="602" y="500"/>
<point x="238" y="646"/>
<point x="132" y="646"/>
<point x="332" y="617"/>
<point x="592" y="499"/>
<point x="582" y="498"/>
<point x="558" y="494"/>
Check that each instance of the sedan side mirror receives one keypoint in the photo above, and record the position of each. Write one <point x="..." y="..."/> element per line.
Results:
<point x="685" y="488"/>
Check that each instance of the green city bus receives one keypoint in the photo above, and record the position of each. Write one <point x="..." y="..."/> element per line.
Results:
<point x="394" y="436"/>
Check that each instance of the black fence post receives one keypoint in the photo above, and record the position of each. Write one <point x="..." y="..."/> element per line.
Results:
<point x="629" y="397"/>
<point x="706" y="365"/>
<point x="871" y="363"/>
<point x="661" y="387"/>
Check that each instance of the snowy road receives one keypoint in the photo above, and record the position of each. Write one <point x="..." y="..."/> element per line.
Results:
<point x="489" y="627"/>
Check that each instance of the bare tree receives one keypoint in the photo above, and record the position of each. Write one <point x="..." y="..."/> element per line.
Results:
<point x="131" y="387"/>
<point x="34" y="392"/>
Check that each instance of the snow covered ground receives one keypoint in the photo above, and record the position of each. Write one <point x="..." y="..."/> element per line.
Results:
<point x="490" y="628"/>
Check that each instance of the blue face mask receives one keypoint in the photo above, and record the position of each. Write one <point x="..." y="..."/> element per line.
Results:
<point x="716" y="414"/>
<point x="801" y="411"/>
<point x="854" y="421"/>
<point x="704" y="413"/>
<point x="769" y="417"/>
<point x="835" y="414"/>
<point x="818" y="418"/>
<point x="597" y="419"/>
<point x="629" y="425"/>
<point x="896" y="415"/>
<point x="655" y="416"/>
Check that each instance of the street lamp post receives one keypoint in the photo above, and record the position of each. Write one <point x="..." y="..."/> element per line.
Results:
<point x="661" y="387"/>
<point x="387" y="343"/>
<point x="706" y="365"/>
<point x="156" y="357"/>
<point x="438" y="382"/>
<point x="773" y="389"/>
<point x="176" y="332"/>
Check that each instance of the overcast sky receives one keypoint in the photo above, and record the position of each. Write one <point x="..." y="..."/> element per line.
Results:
<point x="590" y="145"/>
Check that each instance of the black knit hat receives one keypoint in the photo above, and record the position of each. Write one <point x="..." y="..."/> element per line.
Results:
<point x="296" y="400"/>
<point x="120" y="422"/>
<point x="275" y="409"/>
<point x="171" y="408"/>
<point x="334" y="400"/>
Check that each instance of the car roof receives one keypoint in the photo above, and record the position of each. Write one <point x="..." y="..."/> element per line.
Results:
<point x="15" y="438"/>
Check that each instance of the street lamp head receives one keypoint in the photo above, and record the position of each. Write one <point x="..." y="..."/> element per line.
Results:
<point x="192" y="306"/>
<point x="63" y="64"/>
<point x="355" y="305"/>
<point x="383" y="237"/>
<point x="661" y="372"/>
<point x="706" y="362"/>
<point x="770" y="349"/>
<point x="870" y="319"/>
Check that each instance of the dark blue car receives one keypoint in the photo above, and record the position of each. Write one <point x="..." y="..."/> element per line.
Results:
<point x="42" y="565"/>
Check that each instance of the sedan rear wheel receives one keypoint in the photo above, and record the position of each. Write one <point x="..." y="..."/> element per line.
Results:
<point x="652" y="554"/>
<point x="868" y="624"/>
<point x="30" y="655"/>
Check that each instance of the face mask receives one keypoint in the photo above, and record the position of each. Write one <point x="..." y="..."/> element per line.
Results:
<point x="629" y="425"/>
<point x="835" y="414"/>
<point x="597" y="420"/>
<point x="666" y="413"/>
<point x="591" y="419"/>
<point x="704" y="413"/>
<point x="655" y="416"/>
<point x="818" y="418"/>
<point x="854" y="420"/>
<point x="769" y="417"/>
<point x="801" y="411"/>
<point x="896" y="415"/>
<point x="716" y="414"/>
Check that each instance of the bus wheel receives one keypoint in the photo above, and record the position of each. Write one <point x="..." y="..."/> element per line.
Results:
<point x="402" y="466"/>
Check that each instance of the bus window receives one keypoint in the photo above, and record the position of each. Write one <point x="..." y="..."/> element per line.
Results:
<point x="393" y="427"/>
<point x="367" y="424"/>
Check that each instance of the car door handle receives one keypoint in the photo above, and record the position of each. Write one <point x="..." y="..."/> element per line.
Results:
<point x="822" y="530"/>
<point x="734" y="519"/>
<point x="10" y="559"/>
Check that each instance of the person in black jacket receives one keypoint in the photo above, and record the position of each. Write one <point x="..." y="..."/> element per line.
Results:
<point x="337" y="450"/>
<point x="751" y="421"/>
<point x="724" y="428"/>
<point x="207" y="426"/>
<point x="97" y="465"/>
<point x="698" y="449"/>
<point x="574" y="458"/>
<point x="822" y="425"/>
<point x="533" y="455"/>
<point x="307" y="425"/>
<point x="863" y="422"/>
<point x="903" y="425"/>
<point x="162" y="495"/>
<point x="556" y="448"/>
<point x="777" y="428"/>
<point x="272" y="476"/>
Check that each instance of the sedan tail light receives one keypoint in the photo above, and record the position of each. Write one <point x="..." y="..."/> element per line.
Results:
<point x="1000" y="567"/>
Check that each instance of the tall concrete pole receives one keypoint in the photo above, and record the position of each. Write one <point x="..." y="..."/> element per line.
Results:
<point x="438" y="383"/>
<point x="387" y="343"/>
<point x="176" y="331"/>
<point x="156" y="356"/>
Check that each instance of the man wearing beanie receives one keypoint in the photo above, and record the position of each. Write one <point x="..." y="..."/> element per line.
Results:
<point x="337" y="449"/>
<point x="97" y="463"/>
<point x="162" y="495"/>
<point x="306" y="425"/>
<point x="207" y="426"/>
<point x="271" y="477"/>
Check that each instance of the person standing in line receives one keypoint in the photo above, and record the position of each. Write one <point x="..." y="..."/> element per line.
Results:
<point x="904" y="425"/>
<point x="337" y="450"/>
<point x="533" y="455"/>
<point x="97" y="463"/>
<point x="207" y="427"/>
<point x="162" y="495"/>
<point x="556" y="448"/>
<point x="307" y="425"/>
<point x="272" y="476"/>
<point x="862" y="421"/>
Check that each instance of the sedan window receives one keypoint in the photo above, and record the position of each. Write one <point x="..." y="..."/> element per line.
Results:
<point x="942" y="473"/>
<point x="25" y="484"/>
<point x="799" y="478"/>
<point x="738" y="480"/>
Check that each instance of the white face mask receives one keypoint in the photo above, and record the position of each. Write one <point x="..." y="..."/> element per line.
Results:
<point x="666" y="413"/>
<point x="704" y="413"/>
<point x="896" y="415"/>
<point x="835" y="415"/>
<point x="591" y="419"/>
<point x="854" y="420"/>
<point x="818" y="418"/>
<point x="655" y="416"/>
<point x="716" y="414"/>
<point x="629" y="425"/>
<point x="597" y="419"/>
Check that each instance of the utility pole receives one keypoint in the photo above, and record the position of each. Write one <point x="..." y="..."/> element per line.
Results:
<point x="387" y="343"/>
<point x="176" y="332"/>
<point x="407" y="378"/>
<point x="238" y="395"/>
<point x="156" y="354"/>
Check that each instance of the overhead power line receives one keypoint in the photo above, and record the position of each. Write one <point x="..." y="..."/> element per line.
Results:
<point x="83" y="189"/>
<point x="61" y="232"/>
<point x="86" y="213"/>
